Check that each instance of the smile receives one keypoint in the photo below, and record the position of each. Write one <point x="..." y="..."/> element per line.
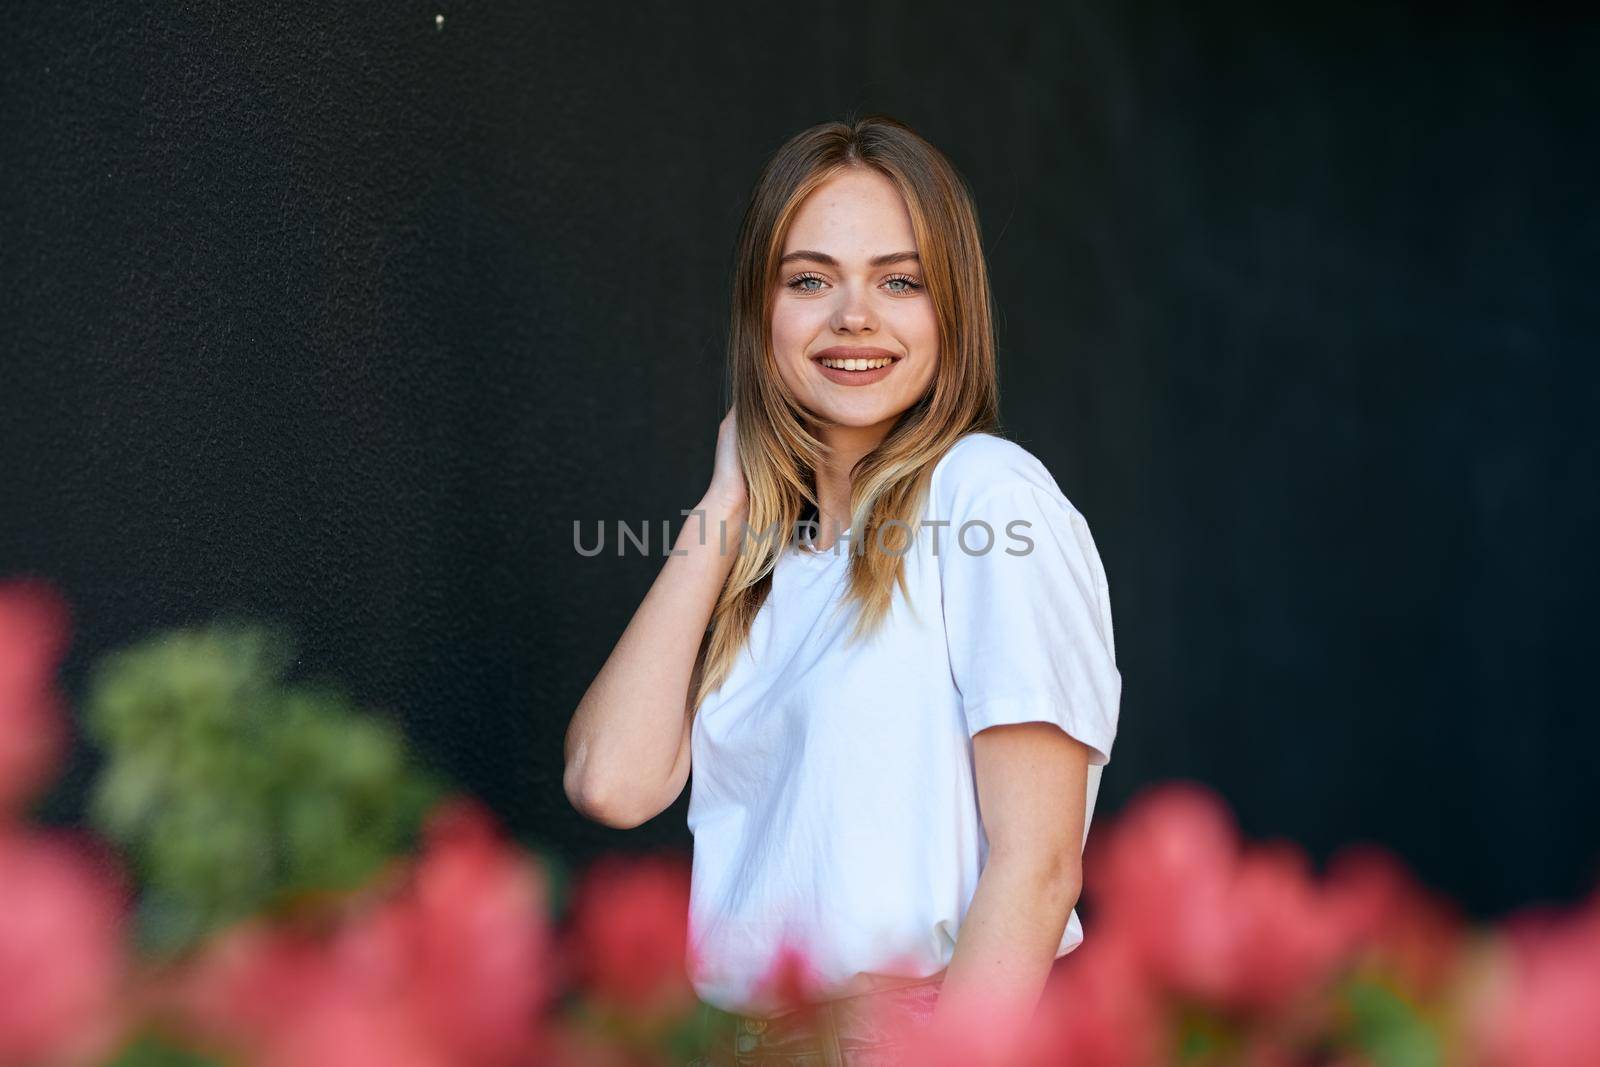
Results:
<point x="856" y="364"/>
<point x="848" y="365"/>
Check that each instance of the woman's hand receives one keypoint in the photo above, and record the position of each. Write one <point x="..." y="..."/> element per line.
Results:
<point x="727" y="477"/>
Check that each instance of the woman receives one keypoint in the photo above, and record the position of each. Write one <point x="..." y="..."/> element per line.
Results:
<point x="883" y="642"/>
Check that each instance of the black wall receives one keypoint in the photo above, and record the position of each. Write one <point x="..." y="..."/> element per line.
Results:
<point x="342" y="320"/>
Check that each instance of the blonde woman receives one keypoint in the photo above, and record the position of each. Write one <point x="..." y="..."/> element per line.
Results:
<point x="882" y="645"/>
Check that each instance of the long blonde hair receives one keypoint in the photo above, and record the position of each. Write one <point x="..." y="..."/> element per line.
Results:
<point x="778" y="441"/>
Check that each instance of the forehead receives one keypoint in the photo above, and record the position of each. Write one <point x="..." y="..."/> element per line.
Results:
<point x="856" y="214"/>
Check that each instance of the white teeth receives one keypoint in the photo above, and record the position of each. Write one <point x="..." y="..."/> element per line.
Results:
<point x="856" y="364"/>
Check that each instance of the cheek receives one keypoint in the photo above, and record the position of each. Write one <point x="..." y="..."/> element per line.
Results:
<point x="791" y="337"/>
<point x="792" y="328"/>
<point x="921" y="333"/>
<point x="919" y="329"/>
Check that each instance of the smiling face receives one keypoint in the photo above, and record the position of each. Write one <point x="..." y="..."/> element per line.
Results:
<point x="854" y="332"/>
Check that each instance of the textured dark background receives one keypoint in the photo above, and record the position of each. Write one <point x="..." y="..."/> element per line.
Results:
<point x="342" y="320"/>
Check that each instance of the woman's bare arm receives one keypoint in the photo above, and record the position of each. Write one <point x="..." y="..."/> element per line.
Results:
<point x="1032" y="781"/>
<point x="627" y="747"/>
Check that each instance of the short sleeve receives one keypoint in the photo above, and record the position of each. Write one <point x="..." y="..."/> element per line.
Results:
<point x="1027" y="615"/>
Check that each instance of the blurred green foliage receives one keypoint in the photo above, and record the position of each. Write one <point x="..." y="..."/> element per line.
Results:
<point x="150" y="1050"/>
<point x="233" y="789"/>
<point x="1385" y="1026"/>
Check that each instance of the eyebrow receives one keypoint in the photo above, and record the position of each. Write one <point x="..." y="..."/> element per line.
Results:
<point x="823" y="257"/>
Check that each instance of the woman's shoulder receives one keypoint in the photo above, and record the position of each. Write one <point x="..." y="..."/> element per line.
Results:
<point x="981" y="463"/>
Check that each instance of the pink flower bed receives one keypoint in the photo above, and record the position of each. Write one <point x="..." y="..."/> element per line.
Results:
<point x="1201" y="947"/>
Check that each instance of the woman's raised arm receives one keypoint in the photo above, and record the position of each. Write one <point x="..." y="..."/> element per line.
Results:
<point x="627" y="747"/>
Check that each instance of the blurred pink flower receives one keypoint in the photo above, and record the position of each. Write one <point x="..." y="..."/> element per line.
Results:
<point x="1241" y="930"/>
<point x="34" y="634"/>
<point x="481" y="912"/>
<point x="963" y="1036"/>
<point x="1396" y="924"/>
<point x="1284" y="938"/>
<point x="63" y="906"/>
<point x="450" y="970"/>
<point x="791" y="979"/>
<point x="1542" y="1007"/>
<point x="1159" y="878"/>
<point x="248" y="982"/>
<point x="346" y="1028"/>
<point x="629" y="933"/>
<point x="1098" y="1010"/>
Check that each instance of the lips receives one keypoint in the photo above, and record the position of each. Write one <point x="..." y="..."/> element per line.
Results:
<point x="844" y="376"/>
<point x="838" y="352"/>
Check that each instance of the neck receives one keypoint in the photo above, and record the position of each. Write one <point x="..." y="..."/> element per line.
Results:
<point x="845" y="446"/>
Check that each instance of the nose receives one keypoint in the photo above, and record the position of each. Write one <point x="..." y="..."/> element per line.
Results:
<point x="854" y="313"/>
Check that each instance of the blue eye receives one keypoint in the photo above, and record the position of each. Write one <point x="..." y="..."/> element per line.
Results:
<point x="899" y="284"/>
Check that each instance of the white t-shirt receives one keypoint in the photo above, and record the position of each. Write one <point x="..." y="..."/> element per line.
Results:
<point x="832" y="802"/>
